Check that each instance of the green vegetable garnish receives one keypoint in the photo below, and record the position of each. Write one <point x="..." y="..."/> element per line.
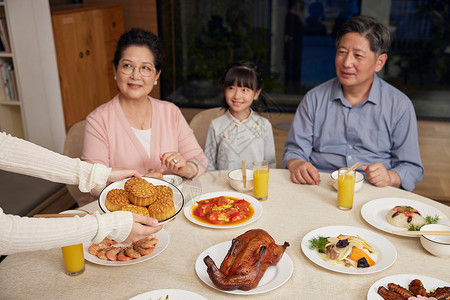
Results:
<point x="428" y="220"/>
<point x="318" y="243"/>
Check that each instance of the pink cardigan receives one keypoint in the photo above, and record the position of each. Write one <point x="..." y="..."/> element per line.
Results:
<point x="110" y="140"/>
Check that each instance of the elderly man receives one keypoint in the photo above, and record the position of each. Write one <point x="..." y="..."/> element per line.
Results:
<point x="356" y="117"/>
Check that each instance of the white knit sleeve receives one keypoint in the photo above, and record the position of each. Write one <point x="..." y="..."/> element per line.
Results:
<point x="23" y="157"/>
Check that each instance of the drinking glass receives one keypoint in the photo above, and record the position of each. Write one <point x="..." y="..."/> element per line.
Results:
<point x="346" y="188"/>
<point x="261" y="179"/>
<point x="73" y="259"/>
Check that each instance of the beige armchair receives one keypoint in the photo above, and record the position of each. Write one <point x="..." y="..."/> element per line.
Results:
<point x="73" y="146"/>
<point x="200" y="123"/>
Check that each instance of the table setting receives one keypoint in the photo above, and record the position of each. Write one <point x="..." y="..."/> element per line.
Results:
<point x="289" y="213"/>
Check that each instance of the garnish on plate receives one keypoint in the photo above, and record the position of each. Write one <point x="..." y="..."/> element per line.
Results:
<point x="428" y="220"/>
<point x="318" y="243"/>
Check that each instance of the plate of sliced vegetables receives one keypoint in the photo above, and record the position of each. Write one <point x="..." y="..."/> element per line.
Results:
<point x="349" y="249"/>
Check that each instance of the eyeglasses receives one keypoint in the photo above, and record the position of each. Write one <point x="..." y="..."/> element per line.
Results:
<point x="146" y="70"/>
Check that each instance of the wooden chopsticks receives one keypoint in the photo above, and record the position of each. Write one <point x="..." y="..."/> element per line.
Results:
<point x="422" y="232"/>
<point x="244" y="173"/>
<point x="59" y="215"/>
<point x="352" y="168"/>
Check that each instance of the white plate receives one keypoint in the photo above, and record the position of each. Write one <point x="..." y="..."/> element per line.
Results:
<point x="174" y="179"/>
<point x="375" y="211"/>
<point x="385" y="257"/>
<point x="274" y="277"/>
<point x="255" y="203"/>
<point x="178" y="198"/>
<point x="172" y="293"/>
<point x="429" y="283"/>
<point x="163" y="241"/>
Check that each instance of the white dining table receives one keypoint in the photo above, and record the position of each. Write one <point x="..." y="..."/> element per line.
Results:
<point x="290" y="212"/>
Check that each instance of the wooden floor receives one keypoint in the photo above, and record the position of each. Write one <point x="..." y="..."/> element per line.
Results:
<point x="434" y="142"/>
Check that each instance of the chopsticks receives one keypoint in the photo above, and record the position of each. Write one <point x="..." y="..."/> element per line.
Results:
<point x="59" y="215"/>
<point x="422" y="232"/>
<point x="352" y="168"/>
<point x="244" y="173"/>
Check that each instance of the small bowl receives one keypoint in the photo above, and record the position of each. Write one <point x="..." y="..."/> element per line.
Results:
<point x="174" y="179"/>
<point x="438" y="245"/>
<point x="358" y="180"/>
<point x="237" y="182"/>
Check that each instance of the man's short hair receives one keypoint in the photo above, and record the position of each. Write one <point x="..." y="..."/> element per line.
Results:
<point x="376" y="33"/>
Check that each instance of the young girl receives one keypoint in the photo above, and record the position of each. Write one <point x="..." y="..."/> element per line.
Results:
<point x="240" y="134"/>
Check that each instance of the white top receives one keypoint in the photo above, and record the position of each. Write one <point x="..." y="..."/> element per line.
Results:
<point x="230" y="141"/>
<point x="18" y="234"/>
<point x="145" y="137"/>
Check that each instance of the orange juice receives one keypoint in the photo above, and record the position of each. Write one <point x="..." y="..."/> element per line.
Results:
<point x="346" y="188"/>
<point x="261" y="184"/>
<point x="73" y="259"/>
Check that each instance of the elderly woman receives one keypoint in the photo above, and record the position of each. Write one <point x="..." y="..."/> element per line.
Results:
<point x="136" y="131"/>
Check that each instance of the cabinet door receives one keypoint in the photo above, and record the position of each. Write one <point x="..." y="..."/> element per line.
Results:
<point x="114" y="28"/>
<point x="82" y="63"/>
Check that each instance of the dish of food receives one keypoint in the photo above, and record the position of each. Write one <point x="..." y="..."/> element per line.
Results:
<point x="192" y="205"/>
<point x="163" y="242"/>
<point x="404" y="216"/>
<point x="403" y="280"/>
<point x="274" y="277"/>
<point x="375" y="211"/>
<point x="119" y="195"/>
<point x="169" y="294"/>
<point x="384" y="258"/>
<point x="345" y="250"/>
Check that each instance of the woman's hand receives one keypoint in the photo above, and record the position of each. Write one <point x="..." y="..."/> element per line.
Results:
<point x="142" y="227"/>
<point x="118" y="174"/>
<point x="155" y="173"/>
<point x="175" y="162"/>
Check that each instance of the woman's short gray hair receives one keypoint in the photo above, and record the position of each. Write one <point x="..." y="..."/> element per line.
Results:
<point x="376" y="33"/>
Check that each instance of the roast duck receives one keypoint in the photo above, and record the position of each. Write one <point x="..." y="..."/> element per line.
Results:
<point x="246" y="262"/>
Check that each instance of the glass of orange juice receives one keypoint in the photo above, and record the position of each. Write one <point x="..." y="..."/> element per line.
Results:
<point x="346" y="188"/>
<point x="73" y="259"/>
<point x="261" y="179"/>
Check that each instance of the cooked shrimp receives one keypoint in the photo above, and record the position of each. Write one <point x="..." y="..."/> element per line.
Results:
<point x="101" y="253"/>
<point x="147" y="243"/>
<point x="111" y="254"/>
<point x="122" y="257"/>
<point x="145" y="251"/>
<point x="93" y="249"/>
<point x="131" y="252"/>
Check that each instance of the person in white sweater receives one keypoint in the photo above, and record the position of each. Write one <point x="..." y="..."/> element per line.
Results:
<point x="20" y="234"/>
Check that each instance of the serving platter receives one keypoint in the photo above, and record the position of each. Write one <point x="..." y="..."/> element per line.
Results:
<point x="386" y="256"/>
<point x="163" y="241"/>
<point x="178" y="198"/>
<point x="374" y="212"/>
<point x="403" y="280"/>
<point x="274" y="277"/>
<point x="171" y="294"/>
<point x="255" y="203"/>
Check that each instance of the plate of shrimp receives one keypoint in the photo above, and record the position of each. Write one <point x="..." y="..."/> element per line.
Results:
<point x="112" y="253"/>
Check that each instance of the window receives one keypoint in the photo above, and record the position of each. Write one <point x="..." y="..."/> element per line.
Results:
<point x="292" y="42"/>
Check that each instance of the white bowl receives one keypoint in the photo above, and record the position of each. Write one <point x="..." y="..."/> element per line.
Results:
<point x="358" y="180"/>
<point x="438" y="245"/>
<point x="237" y="182"/>
<point x="174" y="179"/>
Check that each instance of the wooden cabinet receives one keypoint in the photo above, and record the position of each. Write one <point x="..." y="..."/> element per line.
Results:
<point x="85" y="41"/>
<point x="30" y="107"/>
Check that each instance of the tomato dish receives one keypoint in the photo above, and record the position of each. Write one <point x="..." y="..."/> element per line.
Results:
<point x="222" y="210"/>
